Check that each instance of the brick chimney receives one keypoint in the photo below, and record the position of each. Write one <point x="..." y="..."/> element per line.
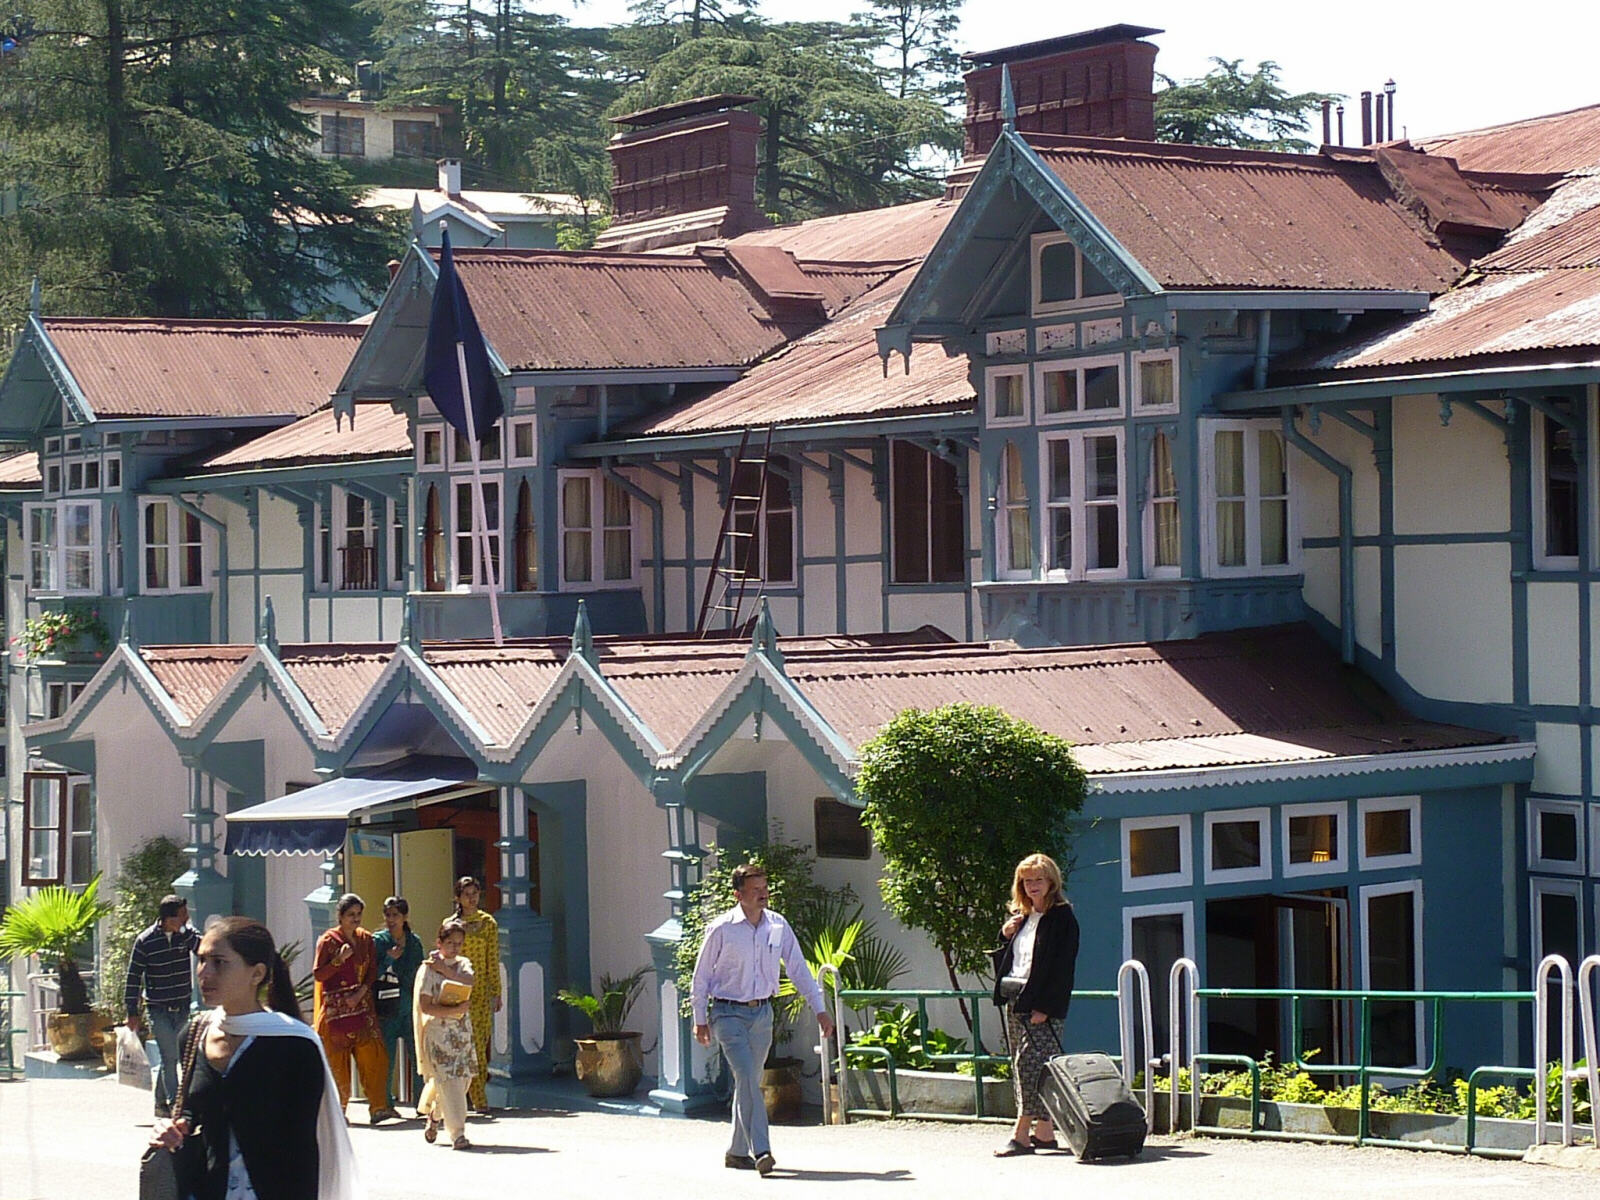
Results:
<point x="1100" y="83"/>
<point x="684" y="173"/>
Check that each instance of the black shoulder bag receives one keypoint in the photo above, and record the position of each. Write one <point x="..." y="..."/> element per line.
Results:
<point x="165" y="1174"/>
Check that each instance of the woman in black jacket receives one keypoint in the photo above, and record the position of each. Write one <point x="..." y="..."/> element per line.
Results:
<point x="1033" y="974"/>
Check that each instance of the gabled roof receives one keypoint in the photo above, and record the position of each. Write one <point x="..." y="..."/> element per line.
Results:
<point x="1555" y="143"/>
<point x="900" y="234"/>
<point x="833" y="373"/>
<point x="20" y="472"/>
<point x="376" y="431"/>
<point x="1199" y="217"/>
<point x="133" y="367"/>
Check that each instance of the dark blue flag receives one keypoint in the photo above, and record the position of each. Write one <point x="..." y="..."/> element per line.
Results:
<point x="452" y="323"/>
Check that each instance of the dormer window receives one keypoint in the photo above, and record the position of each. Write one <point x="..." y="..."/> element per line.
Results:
<point x="1063" y="279"/>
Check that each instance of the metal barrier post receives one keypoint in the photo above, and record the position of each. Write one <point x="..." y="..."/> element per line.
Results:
<point x="822" y="1047"/>
<point x="1130" y="970"/>
<point x="1591" y="1044"/>
<point x="1541" y="1038"/>
<point x="1184" y="968"/>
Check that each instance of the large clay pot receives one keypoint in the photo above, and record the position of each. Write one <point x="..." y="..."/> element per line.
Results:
<point x="781" y="1090"/>
<point x="71" y="1035"/>
<point x="611" y="1065"/>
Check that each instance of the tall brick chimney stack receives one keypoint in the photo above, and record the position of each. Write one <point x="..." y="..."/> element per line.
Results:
<point x="684" y="173"/>
<point x="1100" y="83"/>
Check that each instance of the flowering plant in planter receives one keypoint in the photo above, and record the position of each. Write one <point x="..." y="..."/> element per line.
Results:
<point x="44" y="633"/>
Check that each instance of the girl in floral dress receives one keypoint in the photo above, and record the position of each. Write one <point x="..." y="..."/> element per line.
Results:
<point x="483" y="948"/>
<point x="444" y="1038"/>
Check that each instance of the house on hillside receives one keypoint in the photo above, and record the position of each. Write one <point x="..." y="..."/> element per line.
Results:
<point x="1263" y="478"/>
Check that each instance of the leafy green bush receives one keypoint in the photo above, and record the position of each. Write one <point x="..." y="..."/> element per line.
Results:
<point x="144" y="877"/>
<point x="613" y="1000"/>
<point x="898" y="1031"/>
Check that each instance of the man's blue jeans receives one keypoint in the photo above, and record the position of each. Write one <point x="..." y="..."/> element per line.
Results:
<point x="166" y="1027"/>
<point x="744" y="1035"/>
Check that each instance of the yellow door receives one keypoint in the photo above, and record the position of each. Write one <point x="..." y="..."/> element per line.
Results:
<point x="369" y="872"/>
<point x="424" y="874"/>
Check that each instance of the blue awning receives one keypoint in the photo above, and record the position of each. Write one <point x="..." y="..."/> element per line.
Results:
<point x="315" y="820"/>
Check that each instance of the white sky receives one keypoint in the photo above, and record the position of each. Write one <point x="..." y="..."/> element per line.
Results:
<point x="1456" y="65"/>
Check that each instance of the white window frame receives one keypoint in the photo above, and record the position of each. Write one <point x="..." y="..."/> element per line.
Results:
<point x="1555" y="887"/>
<point x="46" y="554"/>
<point x="1010" y="371"/>
<point x="56" y="550"/>
<point x="1536" y="859"/>
<point x="1412" y="806"/>
<point x="111" y="472"/>
<point x="463" y="462"/>
<point x="396" y="543"/>
<point x="174" y="545"/>
<point x="1263" y="820"/>
<point x="1252" y="500"/>
<point x="1180" y="908"/>
<point x="1004" y="503"/>
<point x="1364" y="896"/>
<point x="1148" y="512"/>
<point x="494" y="514"/>
<point x="52" y="479"/>
<point x="330" y="566"/>
<point x="1334" y="866"/>
<point x="513" y="424"/>
<point x="1136" y="390"/>
<point x="1182" y="877"/>
<point x="115" y="547"/>
<point x="1077" y="367"/>
<point x="1037" y="246"/>
<point x="1540" y="476"/>
<point x="424" y="433"/>
<point x="596" y="530"/>
<point x="1079" y="504"/>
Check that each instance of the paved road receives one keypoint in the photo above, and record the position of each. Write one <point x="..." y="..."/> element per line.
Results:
<point x="66" y="1140"/>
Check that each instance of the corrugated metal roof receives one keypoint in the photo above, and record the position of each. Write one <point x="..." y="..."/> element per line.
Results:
<point x="831" y="374"/>
<point x="499" y="687"/>
<point x="193" y="675"/>
<point x="556" y="310"/>
<point x="149" y="367"/>
<point x="377" y="431"/>
<point x="335" y="679"/>
<point x="1551" y="144"/>
<point x="20" y="472"/>
<point x="901" y="234"/>
<point x="1196" y="217"/>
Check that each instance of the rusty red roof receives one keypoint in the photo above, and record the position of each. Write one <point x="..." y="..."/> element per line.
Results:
<point x="831" y="374"/>
<point x="193" y="675"/>
<point x="150" y="367"/>
<point x="900" y="234"/>
<point x="20" y="472"/>
<point x="1553" y="144"/>
<point x="1199" y="217"/>
<point x="1268" y="695"/>
<point x="335" y="679"/>
<point x="377" y="431"/>
<point x="557" y="310"/>
<point x="499" y="687"/>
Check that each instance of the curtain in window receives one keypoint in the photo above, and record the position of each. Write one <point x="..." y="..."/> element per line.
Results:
<point x="432" y="543"/>
<point x="1230" y="535"/>
<point x="577" y="530"/>
<point x="1274" y="500"/>
<point x="527" y="545"/>
<point x="1018" y="513"/>
<point x="618" y="531"/>
<point x="1164" y="503"/>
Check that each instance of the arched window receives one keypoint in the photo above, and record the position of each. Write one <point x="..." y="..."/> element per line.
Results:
<point x="526" y="578"/>
<point x="1164" y="547"/>
<point x="1014" y="537"/>
<point x="433" y="568"/>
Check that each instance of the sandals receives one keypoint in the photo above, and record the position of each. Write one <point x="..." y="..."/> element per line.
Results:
<point x="1012" y="1149"/>
<point x="461" y="1143"/>
<point x="1040" y="1143"/>
<point x="430" y="1131"/>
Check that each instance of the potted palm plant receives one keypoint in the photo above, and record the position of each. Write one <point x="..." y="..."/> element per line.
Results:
<point x="610" y="1062"/>
<point x="53" y="924"/>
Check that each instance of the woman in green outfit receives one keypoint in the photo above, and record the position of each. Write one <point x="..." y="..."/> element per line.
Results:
<point x="400" y="954"/>
<point x="483" y="949"/>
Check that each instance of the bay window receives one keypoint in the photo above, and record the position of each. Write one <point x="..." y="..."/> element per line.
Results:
<point x="1083" y="505"/>
<point x="596" y="530"/>
<point x="1247" y="475"/>
<point x="173" y="548"/>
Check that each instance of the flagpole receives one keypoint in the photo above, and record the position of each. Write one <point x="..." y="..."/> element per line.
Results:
<point x="480" y="517"/>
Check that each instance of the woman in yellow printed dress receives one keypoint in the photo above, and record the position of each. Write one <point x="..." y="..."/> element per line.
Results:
<point x="483" y="948"/>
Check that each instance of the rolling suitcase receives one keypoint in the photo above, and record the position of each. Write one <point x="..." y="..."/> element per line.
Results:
<point x="1092" y="1106"/>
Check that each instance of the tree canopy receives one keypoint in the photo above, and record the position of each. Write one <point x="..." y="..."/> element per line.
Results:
<point x="955" y="798"/>
<point x="1229" y="106"/>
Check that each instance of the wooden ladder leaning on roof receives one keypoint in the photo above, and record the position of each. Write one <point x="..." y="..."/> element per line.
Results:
<point x="736" y="561"/>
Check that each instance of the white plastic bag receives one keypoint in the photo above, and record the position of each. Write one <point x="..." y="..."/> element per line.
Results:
<point x="133" y="1065"/>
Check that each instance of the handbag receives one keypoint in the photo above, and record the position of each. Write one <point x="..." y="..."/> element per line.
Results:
<point x="386" y="994"/>
<point x="163" y="1173"/>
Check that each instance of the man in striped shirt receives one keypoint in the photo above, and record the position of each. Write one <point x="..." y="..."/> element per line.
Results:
<point x="159" y="966"/>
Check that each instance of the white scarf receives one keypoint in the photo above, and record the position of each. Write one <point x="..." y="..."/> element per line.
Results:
<point x="338" y="1178"/>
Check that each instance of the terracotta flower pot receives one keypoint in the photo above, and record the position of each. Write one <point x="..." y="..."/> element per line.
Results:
<point x="612" y="1065"/>
<point x="781" y="1089"/>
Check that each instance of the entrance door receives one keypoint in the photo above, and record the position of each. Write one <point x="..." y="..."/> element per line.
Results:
<point x="424" y="873"/>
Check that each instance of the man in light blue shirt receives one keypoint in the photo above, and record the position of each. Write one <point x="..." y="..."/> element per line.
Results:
<point x="735" y="979"/>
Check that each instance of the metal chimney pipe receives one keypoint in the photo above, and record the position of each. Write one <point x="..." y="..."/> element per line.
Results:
<point x="1341" y="124"/>
<point x="1327" y="122"/>
<point x="1377" y="109"/>
<point x="1366" y="118"/>
<point x="1388" y="90"/>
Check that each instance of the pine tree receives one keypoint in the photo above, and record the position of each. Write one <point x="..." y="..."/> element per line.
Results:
<point x="1229" y="106"/>
<point x="160" y="167"/>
